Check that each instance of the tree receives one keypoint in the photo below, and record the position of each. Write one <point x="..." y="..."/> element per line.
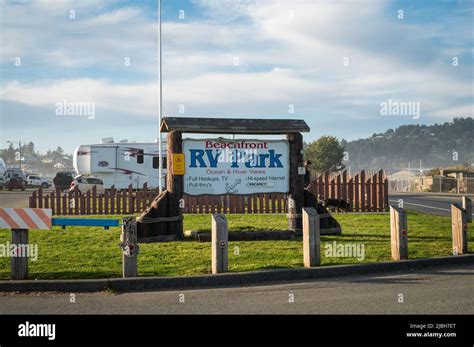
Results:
<point x="326" y="154"/>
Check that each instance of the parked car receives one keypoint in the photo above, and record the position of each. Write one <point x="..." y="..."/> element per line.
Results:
<point x="3" y="171"/>
<point x="38" y="181"/>
<point x="15" y="172"/>
<point x="63" y="179"/>
<point x="17" y="178"/>
<point x="85" y="183"/>
<point x="16" y="183"/>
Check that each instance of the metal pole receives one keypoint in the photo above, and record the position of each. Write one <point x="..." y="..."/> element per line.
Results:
<point x="160" y="165"/>
<point x="19" y="144"/>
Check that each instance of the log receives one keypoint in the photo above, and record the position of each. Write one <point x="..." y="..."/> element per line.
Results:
<point x="311" y="238"/>
<point x="219" y="247"/>
<point x="459" y="229"/>
<point x="129" y="247"/>
<point x="174" y="184"/>
<point x="19" y="264"/>
<point x="146" y="227"/>
<point x="467" y="206"/>
<point x="399" y="233"/>
<point x="296" y="194"/>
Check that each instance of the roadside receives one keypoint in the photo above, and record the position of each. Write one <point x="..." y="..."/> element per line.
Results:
<point x="390" y="193"/>
<point x="426" y="203"/>
<point x="444" y="290"/>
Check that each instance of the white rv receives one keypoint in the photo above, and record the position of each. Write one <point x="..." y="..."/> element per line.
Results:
<point x="121" y="163"/>
<point x="3" y="170"/>
<point x="3" y="167"/>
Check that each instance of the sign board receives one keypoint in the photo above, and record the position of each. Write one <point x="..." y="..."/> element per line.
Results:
<point x="25" y="218"/>
<point x="244" y="166"/>
<point x="178" y="164"/>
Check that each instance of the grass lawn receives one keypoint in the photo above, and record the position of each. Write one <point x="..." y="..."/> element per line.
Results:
<point x="80" y="252"/>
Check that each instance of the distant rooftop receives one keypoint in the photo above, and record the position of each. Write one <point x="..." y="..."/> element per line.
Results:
<point x="233" y="125"/>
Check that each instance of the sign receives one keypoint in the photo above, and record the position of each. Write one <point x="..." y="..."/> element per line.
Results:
<point x="178" y="164"/>
<point x="25" y="218"/>
<point x="222" y="166"/>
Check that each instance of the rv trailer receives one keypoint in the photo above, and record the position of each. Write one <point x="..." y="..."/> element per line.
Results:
<point x="120" y="164"/>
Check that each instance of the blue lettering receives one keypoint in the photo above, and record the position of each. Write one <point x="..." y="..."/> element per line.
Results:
<point x="213" y="160"/>
<point x="275" y="159"/>
<point x="196" y="155"/>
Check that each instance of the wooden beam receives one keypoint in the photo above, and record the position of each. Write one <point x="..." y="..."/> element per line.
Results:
<point x="175" y="184"/>
<point x="311" y="238"/>
<point x="219" y="235"/>
<point x="459" y="229"/>
<point x="233" y="125"/>
<point x="129" y="247"/>
<point x="399" y="233"/>
<point x="19" y="263"/>
<point x="467" y="205"/>
<point x="296" y="194"/>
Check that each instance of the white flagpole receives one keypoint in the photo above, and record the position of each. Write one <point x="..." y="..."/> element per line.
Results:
<point x="160" y="116"/>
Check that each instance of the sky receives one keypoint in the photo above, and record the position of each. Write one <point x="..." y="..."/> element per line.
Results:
<point x="73" y="72"/>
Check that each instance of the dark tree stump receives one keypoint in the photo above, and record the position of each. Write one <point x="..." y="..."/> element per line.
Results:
<point x="328" y="223"/>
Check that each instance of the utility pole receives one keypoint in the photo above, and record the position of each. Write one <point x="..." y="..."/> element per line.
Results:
<point x="160" y="116"/>
<point x="19" y="148"/>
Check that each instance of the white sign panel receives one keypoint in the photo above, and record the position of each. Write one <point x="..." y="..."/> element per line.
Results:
<point x="221" y="166"/>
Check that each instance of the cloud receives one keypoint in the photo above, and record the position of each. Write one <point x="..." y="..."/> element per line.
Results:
<point x="288" y="53"/>
<point x="138" y="99"/>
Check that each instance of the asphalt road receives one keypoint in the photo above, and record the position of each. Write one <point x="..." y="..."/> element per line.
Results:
<point x="15" y="198"/>
<point x="439" y="291"/>
<point x="429" y="203"/>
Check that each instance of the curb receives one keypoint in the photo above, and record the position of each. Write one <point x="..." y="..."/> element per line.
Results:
<point x="456" y="195"/>
<point x="227" y="279"/>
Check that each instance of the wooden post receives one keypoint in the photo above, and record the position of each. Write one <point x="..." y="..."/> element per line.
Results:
<point x="175" y="183"/>
<point x="19" y="263"/>
<point x="399" y="233"/>
<point x="129" y="247"/>
<point x="467" y="205"/>
<point x="311" y="238"/>
<point x="459" y="228"/>
<point x="219" y="243"/>
<point x="40" y="197"/>
<point x="296" y="194"/>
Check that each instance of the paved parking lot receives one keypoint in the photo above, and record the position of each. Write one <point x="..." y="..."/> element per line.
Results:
<point x="15" y="198"/>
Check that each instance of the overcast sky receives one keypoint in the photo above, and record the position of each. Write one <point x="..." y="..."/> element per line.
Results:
<point x="329" y="62"/>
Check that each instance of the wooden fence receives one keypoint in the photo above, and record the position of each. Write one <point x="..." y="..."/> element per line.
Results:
<point x="111" y="201"/>
<point x="365" y="192"/>
<point x="256" y="203"/>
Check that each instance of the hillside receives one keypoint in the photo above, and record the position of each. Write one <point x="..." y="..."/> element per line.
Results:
<point x="435" y="145"/>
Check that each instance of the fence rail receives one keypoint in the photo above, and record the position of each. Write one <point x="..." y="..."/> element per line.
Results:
<point x="256" y="203"/>
<point x="111" y="201"/>
<point x="365" y="192"/>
